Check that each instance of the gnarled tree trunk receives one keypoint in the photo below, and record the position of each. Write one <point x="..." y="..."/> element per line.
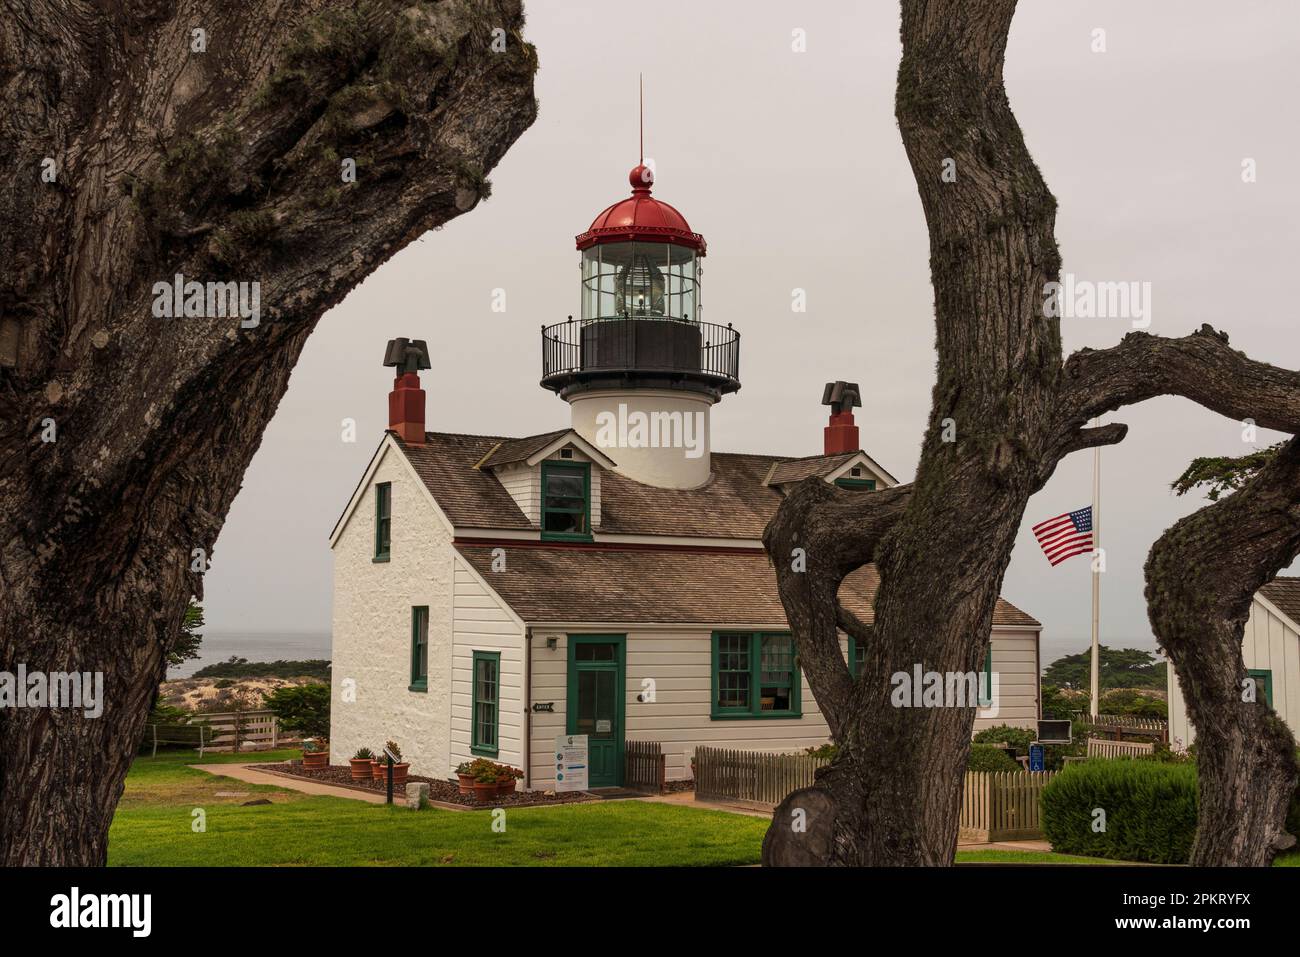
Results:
<point x="1010" y="409"/>
<point x="222" y="156"/>
<point x="1201" y="576"/>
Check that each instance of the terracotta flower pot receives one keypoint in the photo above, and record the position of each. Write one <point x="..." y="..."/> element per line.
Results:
<point x="466" y="782"/>
<point x="506" y="787"/>
<point x="399" y="774"/>
<point x="360" y="768"/>
<point x="315" y="759"/>
<point x="379" y="769"/>
<point x="484" y="791"/>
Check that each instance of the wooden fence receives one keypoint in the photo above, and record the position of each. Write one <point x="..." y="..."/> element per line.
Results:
<point x="223" y="731"/>
<point x="1101" y="748"/>
<point x="1002" y="805"/>
<point x="996" y="806"/>
<point x="644" y="767"/>
<point x="751" y="777"/>
<point x="1126" y="724"/>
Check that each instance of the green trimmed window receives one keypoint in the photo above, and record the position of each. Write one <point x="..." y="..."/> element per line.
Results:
<point x="486" y="713"/>
<point x="985" y="692"/>
<point x="866" y="485"/>
<point x="755" y="675"/>
<point x="383" y="520"/>
<point x="566" y="501"/>
<point x="857" y="655"/>
<point x="1263" y="684"/>
<point x="419" y="648"/>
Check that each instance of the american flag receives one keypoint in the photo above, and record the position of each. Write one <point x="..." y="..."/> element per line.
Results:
<point x="1065" y="535"/>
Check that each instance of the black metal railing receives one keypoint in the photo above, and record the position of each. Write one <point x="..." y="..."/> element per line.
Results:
<point x="641" y="344"/>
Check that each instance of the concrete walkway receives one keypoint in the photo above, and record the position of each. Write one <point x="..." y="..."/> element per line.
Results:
<point x="242" y="772"/>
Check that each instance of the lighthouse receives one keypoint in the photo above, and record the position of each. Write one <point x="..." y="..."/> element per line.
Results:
<point x="639" y="367"/>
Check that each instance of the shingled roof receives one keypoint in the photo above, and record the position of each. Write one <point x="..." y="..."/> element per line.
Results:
<point x="733" y="504"/>
<point x="1285" y="593"/>
<point x="575" y="583"/>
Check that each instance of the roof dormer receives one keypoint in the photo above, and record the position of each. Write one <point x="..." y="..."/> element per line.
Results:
<point x="554" y="478"/>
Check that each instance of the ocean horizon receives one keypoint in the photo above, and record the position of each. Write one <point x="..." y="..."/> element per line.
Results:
<point x="255" y="646"/>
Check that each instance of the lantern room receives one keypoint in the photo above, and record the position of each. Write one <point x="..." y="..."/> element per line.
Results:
<point x="640" y="314"/>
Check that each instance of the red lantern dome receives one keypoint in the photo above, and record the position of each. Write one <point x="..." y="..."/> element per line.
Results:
<point x="641" y="218"/>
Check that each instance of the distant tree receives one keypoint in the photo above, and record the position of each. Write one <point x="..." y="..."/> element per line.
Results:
<point x="1118" y="667"/>
<point x="305" y="708"/>
<point x="187" y="645"/>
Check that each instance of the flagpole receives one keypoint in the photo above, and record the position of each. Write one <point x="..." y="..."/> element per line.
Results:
<point x="1096" y="578"/>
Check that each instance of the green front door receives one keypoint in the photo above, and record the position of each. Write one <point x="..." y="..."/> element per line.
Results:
<point x="595" y="704"/>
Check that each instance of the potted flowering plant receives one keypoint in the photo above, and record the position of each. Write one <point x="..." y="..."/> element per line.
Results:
<point x="506" y="778"/>
<point x="485" y="782"/>
<point x="361" y="762"/>
<point x="465" y="777"/>
<point x="315" y="753"/>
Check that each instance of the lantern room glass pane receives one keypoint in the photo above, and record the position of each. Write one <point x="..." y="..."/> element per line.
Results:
<point x="639" y="280"/>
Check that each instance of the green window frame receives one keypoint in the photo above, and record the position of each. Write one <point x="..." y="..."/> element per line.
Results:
<point x="867" y="485"/>
<point x="485" y="714"/>
<point x="383" y="521"/>
<point x="419" y="648"/>
<point x="566" y="515"/>
<point x="754" y="675"/>
<point x="984" y="694"/>
<point x="1264" y="677"/>
<point x="857" y="655"/>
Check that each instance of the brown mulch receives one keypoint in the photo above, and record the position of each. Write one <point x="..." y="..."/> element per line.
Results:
<point x="673" y="787"/>
<point x="448" y="792"/>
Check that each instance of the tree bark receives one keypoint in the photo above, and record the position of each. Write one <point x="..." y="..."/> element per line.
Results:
<point x="1201" y="577"/>
<point x="893" y="793"/>
<point x="221" y="165"/>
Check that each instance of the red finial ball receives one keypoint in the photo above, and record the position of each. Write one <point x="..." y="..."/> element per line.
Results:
<point x="641" y="177"/>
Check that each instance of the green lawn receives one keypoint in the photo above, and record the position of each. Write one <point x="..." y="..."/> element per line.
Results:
<point x="153" y="828"/>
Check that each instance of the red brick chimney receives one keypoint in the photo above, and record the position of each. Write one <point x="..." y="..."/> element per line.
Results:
<point x="406" y="401"/>
<point x="841" y="434"/>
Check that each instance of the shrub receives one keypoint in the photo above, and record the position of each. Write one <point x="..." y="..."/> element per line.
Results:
<point x="827" y="751"/>
<point x="1150" y="810"/>
<point x="1018" y="738"/>
<point x="363" y="754"/>
<point x="985" y="757"/>
<point x="305" y="709"/>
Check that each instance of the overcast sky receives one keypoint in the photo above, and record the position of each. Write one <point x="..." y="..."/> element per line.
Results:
<point x="791" y="166"/>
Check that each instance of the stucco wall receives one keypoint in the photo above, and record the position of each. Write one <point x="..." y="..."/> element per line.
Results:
<point x="372" y="626"/>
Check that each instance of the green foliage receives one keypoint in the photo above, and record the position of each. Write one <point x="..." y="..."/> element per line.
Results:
<point x="236" y="667"/>
<point x="828" y="751"/>
<point x="1018" y="738"/>
<point x="1130" y="701"/>
<point x="1057" y="705"/>
<point x="394" y="749"/>
<point x="305" y="709"/>
<point x="985" y="757"/>
<point x="248" y="234"/>
<point x="1150" y="810"/>
<point x="191" y="169"/>
<point x="187" y="645"/>
<point x="1118" y="668"/>
<point x="363" y="754"/>
<point x="1221" y="474"/>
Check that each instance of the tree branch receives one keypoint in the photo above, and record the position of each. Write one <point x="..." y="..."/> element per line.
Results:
<point x="818" y="537"/>
<point x="1201" y="367"/>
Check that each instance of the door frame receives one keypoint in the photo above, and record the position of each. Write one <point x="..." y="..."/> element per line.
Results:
<point x="620" y="697"/>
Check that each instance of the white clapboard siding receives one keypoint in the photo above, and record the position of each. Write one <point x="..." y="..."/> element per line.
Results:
<point x="524" y="483"/>
<point x="1015" y="661"/>
<point x="1269" y="643"/>
<point x="680" y="663"/>
<point x="481" y="622"/>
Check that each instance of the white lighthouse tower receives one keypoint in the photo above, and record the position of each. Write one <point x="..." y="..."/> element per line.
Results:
<point x="638" y="368"/>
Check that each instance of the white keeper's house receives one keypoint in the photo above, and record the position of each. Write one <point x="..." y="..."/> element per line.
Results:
<point x="494" y="592"/>
<point x="1270" y="649"/>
